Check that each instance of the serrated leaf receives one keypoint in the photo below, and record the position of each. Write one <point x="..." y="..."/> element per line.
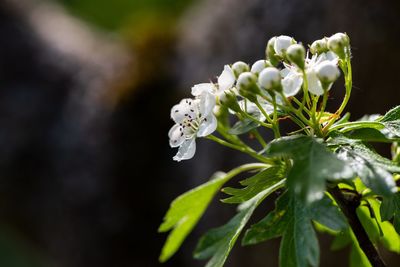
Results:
<point x="243" y="126"/>
<point x="379" y="231"/>
<point x="393" y="127"/>
<point x="291" y="220"/>
<point x="390" y="208"/>
<point x="185" y="211"/>
<point x="370" y="167"/>
<point x="371" y="135"/>
<point x="218" y="242"/>
<point x="391" y="115"/>
<point x="255" y="184"/>
<point x="328" y="214"/>
<point x="313" y="165"/>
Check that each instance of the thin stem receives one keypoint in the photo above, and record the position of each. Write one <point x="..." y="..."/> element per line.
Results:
<point x="348" y="205"/>
<point x="259" y="138"/>
<point x="354" y="125"/>
<point x="275" y="129"/>
<point x="266" y="125"/>
<point x="348" y="84"/>
<point x="243" y="149"/>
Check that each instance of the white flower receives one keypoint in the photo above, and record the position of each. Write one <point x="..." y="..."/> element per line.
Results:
<point x="296" y="54"/>
<point x="293" y="78"/>
<point x="282" y="43"/>
<point x="239" y="67"/>
<point x="269" y="78"/>
<point x="314" y="84"/>
<point x="227" y="79"/>
<point x="193" y="118"/>
<point x="200" y="88"/>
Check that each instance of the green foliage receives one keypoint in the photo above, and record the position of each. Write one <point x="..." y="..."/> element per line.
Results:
<point x="243" y="126"/>
<point x="391" y="115"/>
<point x="390" y="209"/>
<point x="217" y="243"/>
<point x="313" y="165"/>
<point x="373" y="169"/>
<point x="255" y="184"/>
<point x="185" y="211"/>
<point x="291" y="220"/>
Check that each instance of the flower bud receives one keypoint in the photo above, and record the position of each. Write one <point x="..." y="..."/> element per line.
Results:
<point x="247" y="85"/>
<point x="338" y="43"/>
<point x="319" y="46"/>
<point x="327" y="73"/>
<point x="282" y="43"/>
<point x="240" y="67"/>
<point x="270" y="52"/>
<point x="259" y="65"/>
<point x="270" y="79"/>
<point x="296" y="54"/>
<point x="228" y="99"/>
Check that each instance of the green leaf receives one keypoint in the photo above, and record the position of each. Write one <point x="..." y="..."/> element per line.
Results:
<point x="291" y="220"/>
<point x="313" y="165"/>
<point x="328" y="214"/>
<point x="255" y="184"/>
<point x="393" y="127"/>
<point x="243" y="126"/>
<point x="390" y="208"/>
<point x="372" y="168"/>
<point x="217" y="243"/>
<point x="185" y="211"/>
<point x="378" y="231"/>
<point x="371" y="135"/>
<point x="391" y="115"/>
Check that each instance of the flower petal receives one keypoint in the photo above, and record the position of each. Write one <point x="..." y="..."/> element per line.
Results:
<point x="292" y="83"/>
<point x="186" y="150"/>
<point x="208" y="126"/>
<point x="198" y="89"/>
<point x="207" y="103"/>
<point x="185" y="108"/>
<point x="314" y="85"/>
<point x="226" y="79"/>
<point x="176" y="136"/>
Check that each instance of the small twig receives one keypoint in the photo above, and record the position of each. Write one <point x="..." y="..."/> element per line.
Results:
<point x="348" y="204"/>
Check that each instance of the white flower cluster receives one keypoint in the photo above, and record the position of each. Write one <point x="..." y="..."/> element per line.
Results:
<point x="238" y="82"/>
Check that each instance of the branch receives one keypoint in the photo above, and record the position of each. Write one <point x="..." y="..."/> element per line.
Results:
<point x="348" y="205"/>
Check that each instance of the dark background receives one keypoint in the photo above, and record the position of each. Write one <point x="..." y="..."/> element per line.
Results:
<point x="86" y="173"/>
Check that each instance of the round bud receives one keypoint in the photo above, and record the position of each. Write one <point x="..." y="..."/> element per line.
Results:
<point x="259" y="65"/>
<point x="270" y="78"/>
<point x="296" y="54"/>
<point x="282" y="43"/>
<point x="239" y="67"/>
<point x="338" y="43"/>
<point x="327" y="72"/>
<point x="319" y="46"/>
<point x="270" y="52"/>
<point x="247" y="85"/>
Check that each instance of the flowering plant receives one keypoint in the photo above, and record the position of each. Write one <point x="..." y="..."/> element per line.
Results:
<point x="327" y="175"/>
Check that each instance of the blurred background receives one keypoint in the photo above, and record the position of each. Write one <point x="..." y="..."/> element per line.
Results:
<point x="86" y="173"/>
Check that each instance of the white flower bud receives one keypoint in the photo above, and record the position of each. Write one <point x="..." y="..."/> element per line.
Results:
<point x="319" y="46"/>
<point x="259" y="65"/>
<point x="282" y="43"/>
<point x="270" y="78"/>
<point x="270" y="52"/>
<point x="240" y="67"/>
<point x="296" y="54"/>
<point x="327" y="72"/>
<point x="247" y="85"/>
<point x="338" y="43"/>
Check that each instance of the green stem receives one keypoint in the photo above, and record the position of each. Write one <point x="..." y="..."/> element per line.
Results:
<point x="243" y="149"/>
<point x="275" y="129"/>
<point x="354" y="125"/>
<point x="266" y="125"/>
<point x="348" y="84"/>
<point x="259" y="138"/>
